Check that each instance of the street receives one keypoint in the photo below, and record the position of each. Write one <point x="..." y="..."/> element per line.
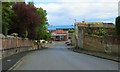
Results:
<point x="58" y="57"/>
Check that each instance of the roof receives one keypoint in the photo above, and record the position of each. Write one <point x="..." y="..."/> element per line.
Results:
<point x="89" y="23"/>
<point x="95" y="24"/>
<point x="60" y="27"/>
<point x="59" y="32"/>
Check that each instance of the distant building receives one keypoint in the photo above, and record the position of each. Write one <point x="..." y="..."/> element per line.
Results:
<point x="59" y="35"/>
<point x="119" y="8"/>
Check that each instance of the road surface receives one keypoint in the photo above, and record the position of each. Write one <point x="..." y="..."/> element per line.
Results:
<point x="58" y="57"/>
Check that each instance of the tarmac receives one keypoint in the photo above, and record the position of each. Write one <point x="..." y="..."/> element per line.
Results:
<point x="58" y="57"/>
<point x="9" y="63"/>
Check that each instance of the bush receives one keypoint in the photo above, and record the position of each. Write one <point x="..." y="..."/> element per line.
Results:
<point x="117" y="26"/>
<point x="101" y="32"/>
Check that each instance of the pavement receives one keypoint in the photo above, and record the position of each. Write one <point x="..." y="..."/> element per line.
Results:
<point x="8" y="63"/>
<point x="58" y="57"/>
<point x="96" y="54"/>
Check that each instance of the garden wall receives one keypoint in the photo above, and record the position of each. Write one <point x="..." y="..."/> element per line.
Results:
<point x="12" y="45"/>
<point x="107" y="44"/>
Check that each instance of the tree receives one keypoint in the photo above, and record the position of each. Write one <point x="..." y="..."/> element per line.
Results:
<point x="27" y="19"/>
<point x="7" y="12"/>
<point x="47" y="36"/>
<point x="42" y="27"/>
<point x="71" y="31"/>
<point x="0" y="17"/>
<point x="32" y="3"/>
<point x="118" y="25"/>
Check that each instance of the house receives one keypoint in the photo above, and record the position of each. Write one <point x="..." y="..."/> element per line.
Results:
<point x="59" y="35"/>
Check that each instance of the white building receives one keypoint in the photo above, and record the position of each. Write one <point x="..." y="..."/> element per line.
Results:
<point x="119" y="8"/>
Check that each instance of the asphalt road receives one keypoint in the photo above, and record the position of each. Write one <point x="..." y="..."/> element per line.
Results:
<point x="58" y="57"/>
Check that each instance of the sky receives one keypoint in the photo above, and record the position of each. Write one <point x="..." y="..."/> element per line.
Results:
<point x="66" y="12"/>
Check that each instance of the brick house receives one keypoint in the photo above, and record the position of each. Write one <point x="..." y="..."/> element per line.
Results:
<point x="59" y="35"/>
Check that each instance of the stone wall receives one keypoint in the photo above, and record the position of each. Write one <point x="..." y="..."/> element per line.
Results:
<point x="73" y="40"/>
<point x="12" y="45"/>
<point x="106" y="45"/>
<point x="93" y="43"/>
<point x="112" y="43"/>
<point x="0" y="48"/>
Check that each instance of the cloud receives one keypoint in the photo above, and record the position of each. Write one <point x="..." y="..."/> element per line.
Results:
<point x="50" y="7"/>
<point x="64" y="11"/>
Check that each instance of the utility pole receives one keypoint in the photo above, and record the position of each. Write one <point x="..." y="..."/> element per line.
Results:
<point x="75" y="20"/>
<point x="84" y="18"/>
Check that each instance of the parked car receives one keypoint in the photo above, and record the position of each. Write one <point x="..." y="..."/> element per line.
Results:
<point x="43" y="43"/>
<point x="68" y="42"/>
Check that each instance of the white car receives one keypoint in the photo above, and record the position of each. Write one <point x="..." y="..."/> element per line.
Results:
<point x="43" y="42"/>
<point x="68" y="42"/>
